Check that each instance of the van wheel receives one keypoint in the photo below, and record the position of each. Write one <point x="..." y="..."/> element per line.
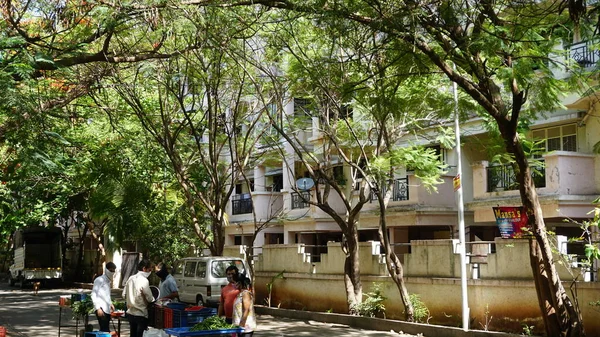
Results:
<point x="199" y="301"/>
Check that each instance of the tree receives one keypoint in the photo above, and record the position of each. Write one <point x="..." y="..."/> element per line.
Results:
<point x="196" y="108"/>
<point x="359" y="92"/>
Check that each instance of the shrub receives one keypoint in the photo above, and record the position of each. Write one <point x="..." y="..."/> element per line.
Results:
<point x="421" y="313"/>
<point x="372" y="305"/>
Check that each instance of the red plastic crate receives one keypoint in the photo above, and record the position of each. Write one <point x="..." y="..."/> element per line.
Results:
<point x="168" y="320"/>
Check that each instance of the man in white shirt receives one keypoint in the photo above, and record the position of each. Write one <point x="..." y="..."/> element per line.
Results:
<point x="168" y="285"/>
<point x="138" y="296"/>
<point x="101" y="296"/>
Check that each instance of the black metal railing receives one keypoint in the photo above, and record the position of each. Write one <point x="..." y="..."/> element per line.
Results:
<point x="399" y="192"/>
<point x="584" y="53"/>
<point x="241" y="204"/>
<point x="298" y="199"/>
<point x="502" y="177"/>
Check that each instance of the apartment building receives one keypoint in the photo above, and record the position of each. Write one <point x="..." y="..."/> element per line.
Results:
<point x="565" y="172"/>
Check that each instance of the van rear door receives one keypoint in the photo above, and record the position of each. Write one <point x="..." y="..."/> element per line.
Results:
<point x="186" y="278"/>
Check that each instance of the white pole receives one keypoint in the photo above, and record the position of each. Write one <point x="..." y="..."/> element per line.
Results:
<point x="461" y="218"/>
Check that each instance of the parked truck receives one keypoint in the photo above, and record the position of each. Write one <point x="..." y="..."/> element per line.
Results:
<point x="37" y="256"/>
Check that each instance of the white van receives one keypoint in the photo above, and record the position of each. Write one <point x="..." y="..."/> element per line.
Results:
<point x="200" y="279"/>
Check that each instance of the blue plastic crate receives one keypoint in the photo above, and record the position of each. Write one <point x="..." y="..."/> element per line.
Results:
<point x="192" y="317"/>
<point x="183" y="332"/>
<point x="176" y="305"/>
<point x="78" y="297"/>
<point x="97" y="334"/>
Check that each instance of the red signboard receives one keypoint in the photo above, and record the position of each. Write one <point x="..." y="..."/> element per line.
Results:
<point x="512" y="221"/>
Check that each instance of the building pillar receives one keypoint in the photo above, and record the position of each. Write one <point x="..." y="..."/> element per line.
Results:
<point x="259" y="178"/>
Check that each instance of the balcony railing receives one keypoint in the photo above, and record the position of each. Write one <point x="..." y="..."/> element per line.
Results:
<point x="502" y="177"/>
<point x="399" y="192"/>
<point x="298" y="199"/>
<point x="584" y="53"/>
<point x="241" y="204"/>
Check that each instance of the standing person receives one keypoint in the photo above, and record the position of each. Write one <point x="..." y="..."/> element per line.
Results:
<point x="138" y="296"/>
<point x="168" y="285"/>
<point x="243" y="307"/>
<point x="229" y="293"/>
<point x="101" y="297"/>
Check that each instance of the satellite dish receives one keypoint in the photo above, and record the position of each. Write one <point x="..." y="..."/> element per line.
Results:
<point x="304" y="184"/>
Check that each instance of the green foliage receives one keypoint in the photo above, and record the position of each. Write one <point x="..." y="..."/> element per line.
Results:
<point x="212" y="323"/>
<point x="527" y="329"/>
<point x="271" y="284"/>
<point x="589" y="239"/>
<point x="421" y="312"/>
<point x="424" y="162"/>
<point x="372" y="305"/>
<point x="83" y="307"/>
<point x="119" y="305"/>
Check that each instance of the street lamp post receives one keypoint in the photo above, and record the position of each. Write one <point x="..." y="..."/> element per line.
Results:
<point x="461" y="217"/>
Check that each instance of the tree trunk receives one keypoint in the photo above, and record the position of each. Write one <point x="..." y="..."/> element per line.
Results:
<point x="79" y="267"/>
<point x="561" y="317"/>
<point x="218" y="243"/>
<point x="396" y="270"/>
<point x="99" y="239"/>
<point x="352" y="269"/>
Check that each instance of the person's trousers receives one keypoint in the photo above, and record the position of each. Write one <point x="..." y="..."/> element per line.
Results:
<point x="104" y="322"/>
<point x="246" y="334"/>
<point x="137" y="325"/>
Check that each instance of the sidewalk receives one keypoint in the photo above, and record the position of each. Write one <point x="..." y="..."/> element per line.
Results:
<point x="26" y="315"/>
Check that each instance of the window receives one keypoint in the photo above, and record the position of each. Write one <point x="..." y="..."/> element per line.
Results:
<point x="219" y="267"/>
<point x="345" y="112"/>
<point x="190" y="269"/>
<point x="302" y="107"/>
<point x="277" y="183"/>
<point x="274" y="118"/>
<point x="201" y="270"/>
<point x="439" y="151"/>
<point x="338" y="175"/>
<point x="558" y="138"/>
<point x="273" y="238"/>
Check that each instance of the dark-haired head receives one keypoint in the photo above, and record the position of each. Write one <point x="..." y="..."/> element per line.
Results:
<point x="144" y="264"/>
<point x="111" y="266"/>
<point x="232" y="273"/>
<point x="162" y="271"/>
<point x="243" y="282"/>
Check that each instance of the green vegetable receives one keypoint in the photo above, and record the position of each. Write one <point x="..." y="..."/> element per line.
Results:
<point x="213" y="323"/>
<point x="119" y="305"/>
<point x="82" y="308"/>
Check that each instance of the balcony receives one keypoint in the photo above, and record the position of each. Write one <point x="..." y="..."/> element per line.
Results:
<point x="298" y="200"/>
<point x="241" y="204"/>
<point x="585" y="53"/>
<point x="399" y="190"/>
<point x="502" y="177"/>
<point x="566" y="187"/>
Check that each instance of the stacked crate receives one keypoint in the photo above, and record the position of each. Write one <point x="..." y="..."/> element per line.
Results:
<point x="180" y="317"/>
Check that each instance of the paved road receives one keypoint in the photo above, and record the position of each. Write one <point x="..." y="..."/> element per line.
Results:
<point x="26" y="315"/>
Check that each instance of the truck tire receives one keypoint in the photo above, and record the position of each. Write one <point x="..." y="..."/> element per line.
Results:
<point x="21" y="282"/>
